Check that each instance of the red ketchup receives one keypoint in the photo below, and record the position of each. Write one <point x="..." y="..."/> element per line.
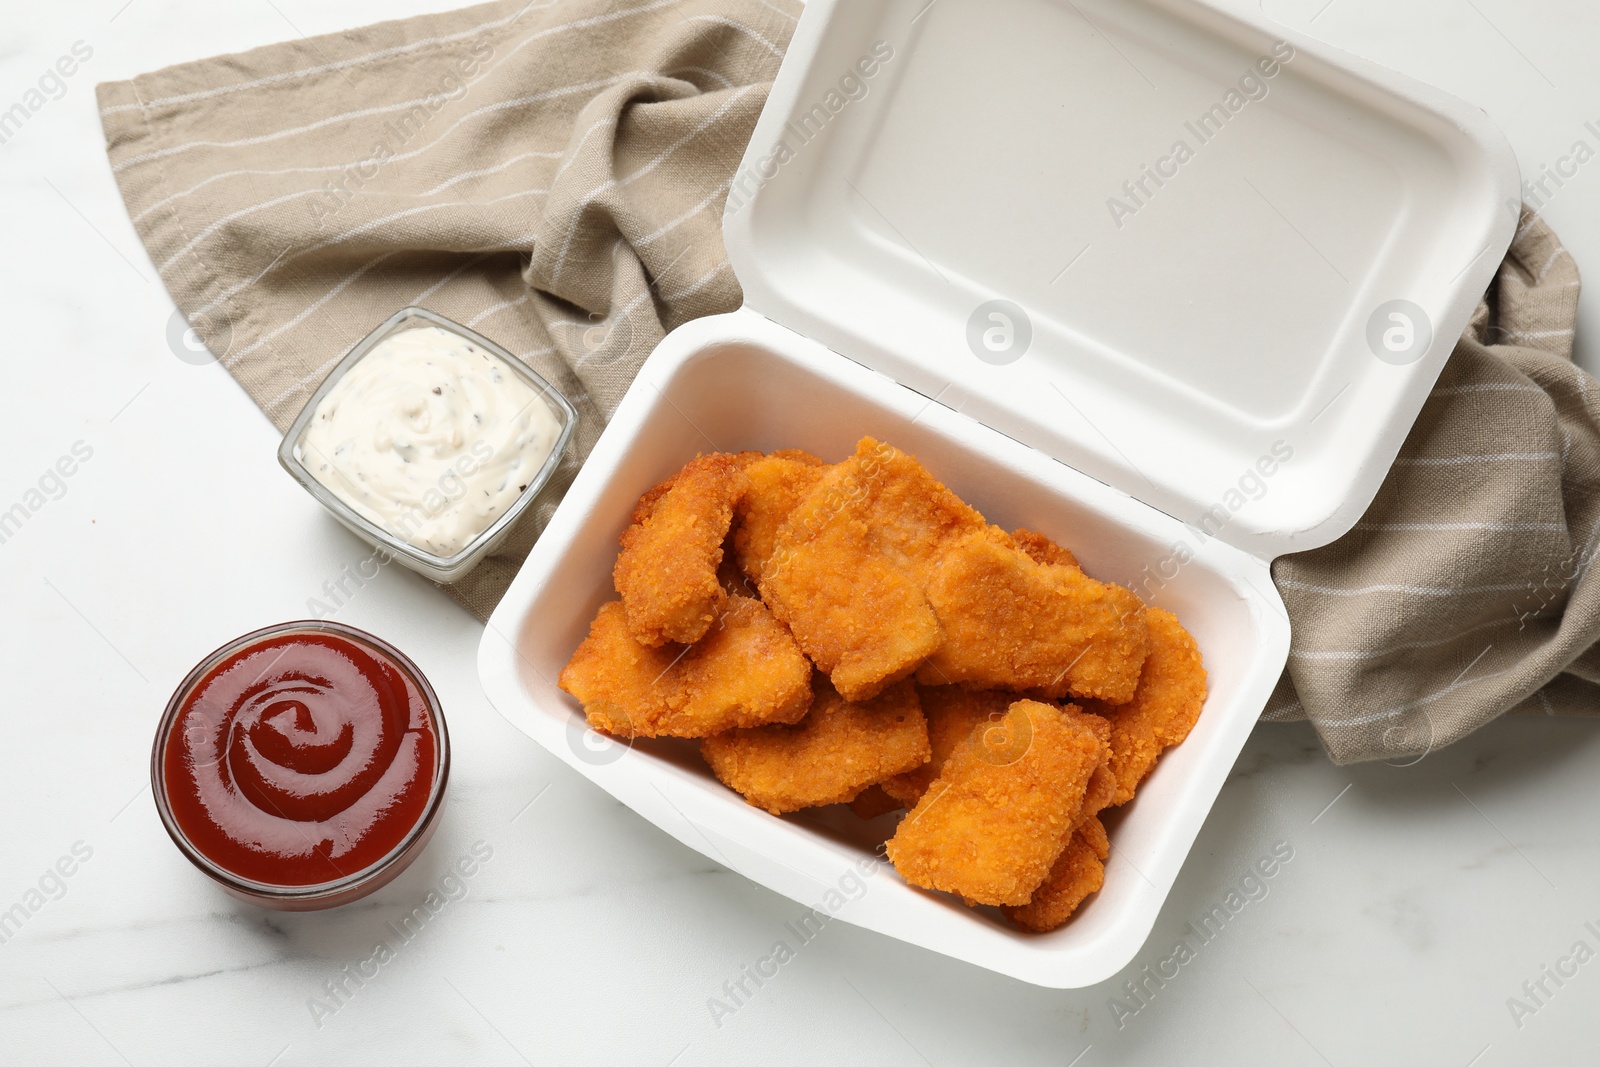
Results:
<point x="308" y="759"/>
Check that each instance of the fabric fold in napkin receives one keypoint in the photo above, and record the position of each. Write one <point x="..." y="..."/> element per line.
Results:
<point x="1465" y="591"/>
<point x="553" y="174"/>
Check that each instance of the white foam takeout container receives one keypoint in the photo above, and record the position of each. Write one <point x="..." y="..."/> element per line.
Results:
<point x="1177" y="348"/>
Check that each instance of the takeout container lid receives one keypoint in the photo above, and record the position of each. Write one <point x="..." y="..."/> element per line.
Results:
<point x="1201" y="261"/>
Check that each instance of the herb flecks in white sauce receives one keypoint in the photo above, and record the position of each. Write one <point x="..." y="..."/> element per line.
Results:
<point x="430" y="437"/>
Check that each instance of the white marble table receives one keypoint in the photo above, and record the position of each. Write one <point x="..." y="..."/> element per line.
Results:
<point x="1418" y="899"/>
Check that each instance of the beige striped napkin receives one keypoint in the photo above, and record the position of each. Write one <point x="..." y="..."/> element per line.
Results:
<point x="550" y="173"/>
<point x="553" y="172"/>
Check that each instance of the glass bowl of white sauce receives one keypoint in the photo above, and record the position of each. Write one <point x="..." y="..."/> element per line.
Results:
<point x="428" y="441"/>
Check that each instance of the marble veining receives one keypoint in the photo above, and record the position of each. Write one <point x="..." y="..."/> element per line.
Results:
<point x="1420" y="901"/>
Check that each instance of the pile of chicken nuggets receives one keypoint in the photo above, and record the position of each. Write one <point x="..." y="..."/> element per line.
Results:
<point x="854" y="633"/>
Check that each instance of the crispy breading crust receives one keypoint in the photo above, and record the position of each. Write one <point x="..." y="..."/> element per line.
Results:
<point x="797" y="455"/>
<point x="1164" y="708"/>
<point x="1010" y="622"/>
<point x="833" y="754"/>
<point x="646" y="505"/>
<point x="1043" y="550"/>
<point x="776" y="484"/>
<point x="952" y="713"/>
<point x="914" y="517"/>
<point x="667" y="571"/>
<point x="746" y="672"/>
<point x="1077" y="872"/>
<point x="991" y="825"/>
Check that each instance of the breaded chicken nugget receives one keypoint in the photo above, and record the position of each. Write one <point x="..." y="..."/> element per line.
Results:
<point x="991" y="825"/>
<point x="998" y="618"/>
<point x="776" y="484"/>
<point x="847" y="566"/>
<point x="952" y="713"/>
<point x="1043" y="550"/>
<point x="829" y="757"/>
<point x="1077" y="872"/>
<point x="864" y="621"/>
<point x="1012" y="623"/>
<point x="1080" y="869"/>
<point x="1164" y="708"/>
<point x="667" y="572"/>
<point x="746" y="672"/>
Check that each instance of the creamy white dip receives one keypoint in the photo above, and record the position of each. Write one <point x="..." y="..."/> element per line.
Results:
<point x="430" y="437"/>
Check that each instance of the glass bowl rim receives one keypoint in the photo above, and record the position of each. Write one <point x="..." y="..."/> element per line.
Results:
<point x="249" y="886"/>
<point x="443" y="568"/>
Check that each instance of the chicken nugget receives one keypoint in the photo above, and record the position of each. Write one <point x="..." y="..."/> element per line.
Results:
<point x="1080" y="869"/>
<point x="839" y="749"/>
<point x="667" y="571"/>
<point x="864" y="621"/>
<point x="1043" y="550"/>
<point x="1012" y="623"/>
<point x="746" y="672"/>
<point x="1077" y="872"/>
<point x="847" y="566"/>
<point x="999" y="618"/>
<point x="776" y="484"/>
<point x="952" y="713"/>
<point x="1164" y="708"/>
<point x="994" y="821"/>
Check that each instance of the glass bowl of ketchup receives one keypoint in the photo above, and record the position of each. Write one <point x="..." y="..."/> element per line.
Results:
<point x="302" y="766"/>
